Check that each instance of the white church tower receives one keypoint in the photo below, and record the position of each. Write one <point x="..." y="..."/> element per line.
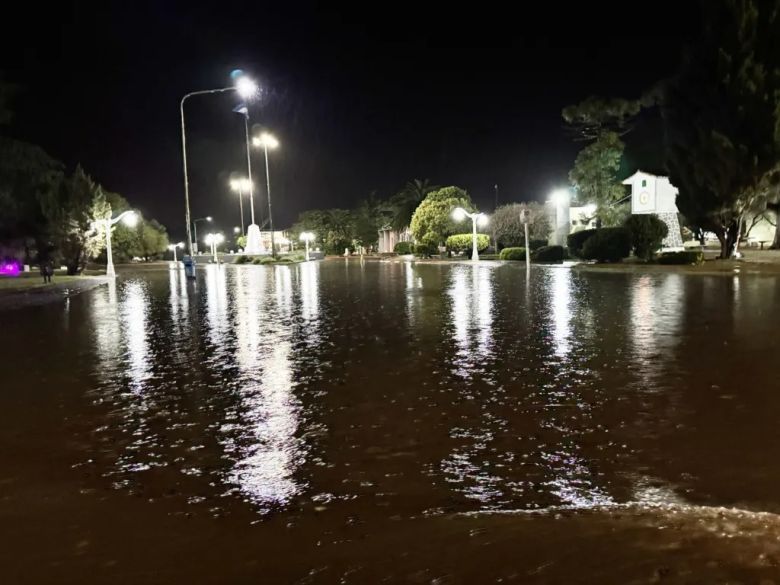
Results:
<point x="654" y="194"/>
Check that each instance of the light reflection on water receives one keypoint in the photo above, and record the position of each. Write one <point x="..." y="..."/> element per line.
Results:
<point x="520" y="390"/>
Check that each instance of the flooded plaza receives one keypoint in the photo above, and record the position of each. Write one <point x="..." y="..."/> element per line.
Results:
<point x="348" y="422"/>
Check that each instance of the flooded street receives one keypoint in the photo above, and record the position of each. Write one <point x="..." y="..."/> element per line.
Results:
<point x="394" y="422"/>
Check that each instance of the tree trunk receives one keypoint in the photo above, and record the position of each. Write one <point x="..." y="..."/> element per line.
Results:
<point x="728" y="237"/>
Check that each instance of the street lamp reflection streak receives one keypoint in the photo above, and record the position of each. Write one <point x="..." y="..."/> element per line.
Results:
<point x="263" y="443"/>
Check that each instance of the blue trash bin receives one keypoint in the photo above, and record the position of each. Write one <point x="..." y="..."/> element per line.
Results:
<point x="189" y="266"/>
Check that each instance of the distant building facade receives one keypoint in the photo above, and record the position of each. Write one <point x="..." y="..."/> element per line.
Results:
<point x="388" y="238"/>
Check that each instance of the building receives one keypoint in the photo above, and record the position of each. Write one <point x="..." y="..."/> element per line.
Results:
<point x="655" y="194"/>
<point x="388" y="238"/>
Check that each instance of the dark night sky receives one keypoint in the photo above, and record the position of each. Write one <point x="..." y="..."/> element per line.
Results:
<point x="360" y="101"/>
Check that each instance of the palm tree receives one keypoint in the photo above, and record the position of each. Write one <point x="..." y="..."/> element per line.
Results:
<point x="405" y="202"/>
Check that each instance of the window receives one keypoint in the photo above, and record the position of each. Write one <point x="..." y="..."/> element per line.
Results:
<point x="644" y="182"/>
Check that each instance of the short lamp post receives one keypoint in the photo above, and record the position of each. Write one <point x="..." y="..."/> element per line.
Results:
<point x="526" y="217"/>
<point x="129" y="218"/>
<point x="195" y="227"/>
<point x="459" y="214"/>
<point x="306" y="237"/>
<point x="173" y="248"/>
<point x="214" y="240"/>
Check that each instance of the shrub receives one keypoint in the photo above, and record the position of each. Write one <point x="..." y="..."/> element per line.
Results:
<point x="549" y="254"/>
<point x="536" y="244"/>
<point x="647" y="234"/>
<point x="403" y="248"/>
<point x="462" y="243"/>
<point x="687" y="257"/>
<point x="608" y="245"/>
<point x="512" y="254"/>
<point x="242" y="259"/>
<point x="425" y="250"/>
<point x="257" y="260"/>
<point x="576" y="241"/>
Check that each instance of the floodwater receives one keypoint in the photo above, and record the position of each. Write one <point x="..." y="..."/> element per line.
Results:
<point x="347" y="422"/>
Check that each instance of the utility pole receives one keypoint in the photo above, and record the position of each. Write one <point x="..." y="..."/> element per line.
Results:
<point x="495" y="243"/>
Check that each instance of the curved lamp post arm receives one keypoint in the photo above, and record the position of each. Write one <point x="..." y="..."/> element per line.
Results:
<point x="184" y="156"/>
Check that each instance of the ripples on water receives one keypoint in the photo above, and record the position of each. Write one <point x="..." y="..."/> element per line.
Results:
<point x="413" y="388"/>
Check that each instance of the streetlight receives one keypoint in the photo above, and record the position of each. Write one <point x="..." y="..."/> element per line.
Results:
<point x="246" y="88"/>
<point x="241" y="185"/>
<point x="306" y="237"/>
<point x="267" y="141"/>
<point x="173" y="247"/>
<point x="214" y="240"/>
<point x="195" y="226"/>
<point x="129" y="218"/>
<point x="459" y="214"/>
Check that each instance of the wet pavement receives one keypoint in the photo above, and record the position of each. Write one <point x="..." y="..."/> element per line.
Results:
<point x="394" y="422"/>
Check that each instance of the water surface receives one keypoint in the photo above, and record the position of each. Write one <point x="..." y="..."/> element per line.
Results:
<point x="358" y="422"/>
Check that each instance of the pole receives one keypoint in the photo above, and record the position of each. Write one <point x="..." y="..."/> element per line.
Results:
<point x="186" y="180"/>
<point x="174" y="255"/>
<point x="268" y="190"/>
<point x="184" y="158"/>
<point x="241" y="206"/>
<point x="109" y="256"/>
<point x="307" y="250"/>
<point x="527" y="249"/>
<point x="194" y="225"/>
<point x="249" y="167"/>
<point x="495" y="207"/>
<point x="474" y="250"/>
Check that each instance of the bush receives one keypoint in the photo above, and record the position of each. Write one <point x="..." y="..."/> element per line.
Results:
<point x="647" y="234"/>
<point x="608" y="245"/>
<point x="577" y="240"/>
<point x="425" y="250"/>
<point x="536" y="244"/>
<point x="242" y="259"/>
<point x="403" y="248"/>
<point x="462" y="243"/>
<point x="549" y="254"/>
<point x="512" y="254"/>
<point x="687" y="257"/>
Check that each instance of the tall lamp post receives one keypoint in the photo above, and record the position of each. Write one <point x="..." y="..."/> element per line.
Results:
<point x="241" y="185"/>
<point x="195" y="227"/>
<point x="459" y="214"/>
<point x="214" y="240"/>
<point x="129" y="218"/>
<point x="246" y="88"/>
<point x="306" y="237"/>
<point x="267" y="141"/>
<point x="173" y="248"/>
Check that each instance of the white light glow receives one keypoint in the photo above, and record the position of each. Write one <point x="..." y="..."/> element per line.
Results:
<point x="458" y="214"/>
<point x="266" y="140"/>
<point x="246" y="88"/>
<point x="306" y="237"/>
<point x="482" y="220"/>
<point x="130" y="219"/>
<point x="560" y="196"/>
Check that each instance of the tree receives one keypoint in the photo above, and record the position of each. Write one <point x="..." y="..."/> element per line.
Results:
<point x="152" y="239"/>
<point x="405" y="202"/>
<point x="595" y="177"/>
<point x="593" y="117"/>
<point x="28" y="176"/>
<point x="647" y="234"/>
<point x="72" y="212"/>
<point x="432" y="222"/>
<point x="721" y="113"/>
<point x="334" y="229"/>
<point x="509" y="228"/>
<point x="370" y="215"/>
